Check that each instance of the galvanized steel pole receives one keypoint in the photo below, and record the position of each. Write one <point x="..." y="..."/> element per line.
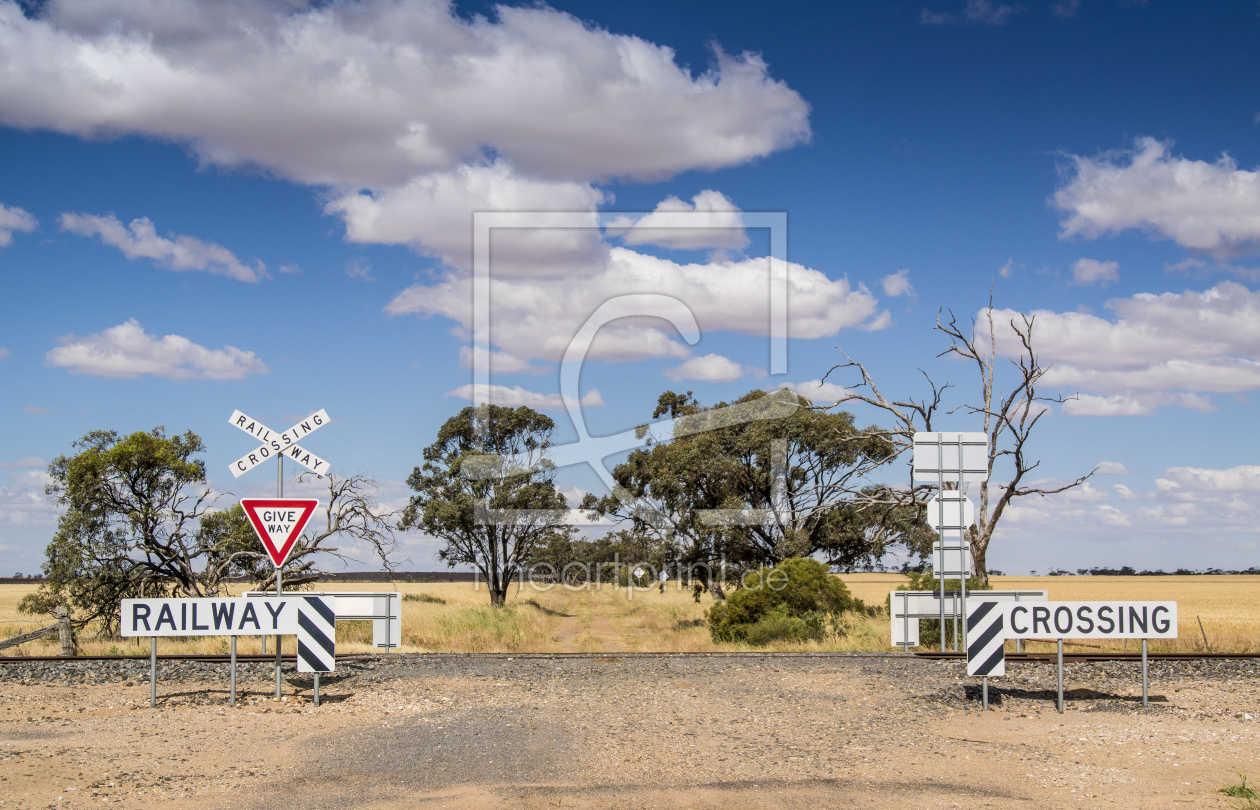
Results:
<point x="232" y="678"/>
<point x="279" y="572"/>
<point x="1060" y="676"/>
<point x="1144" y="673"/>
<point x="152" y="672"/>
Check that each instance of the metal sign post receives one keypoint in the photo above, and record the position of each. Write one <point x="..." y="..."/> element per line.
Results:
<point x="953" y="458"/>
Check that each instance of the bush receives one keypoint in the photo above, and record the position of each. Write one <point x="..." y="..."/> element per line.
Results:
<point x="789" y="602"/>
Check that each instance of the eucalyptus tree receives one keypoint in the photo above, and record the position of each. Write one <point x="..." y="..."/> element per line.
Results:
<point x="488" y="491"/>
<point x="756" y="482"/>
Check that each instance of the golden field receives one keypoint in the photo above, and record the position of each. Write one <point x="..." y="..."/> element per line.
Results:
<point x="453" y="617"/>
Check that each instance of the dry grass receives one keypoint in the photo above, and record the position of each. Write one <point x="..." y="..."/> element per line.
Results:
<point x="608" y="620"/>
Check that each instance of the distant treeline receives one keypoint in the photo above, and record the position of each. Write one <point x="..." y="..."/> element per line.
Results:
<point x="1128" y="571"/>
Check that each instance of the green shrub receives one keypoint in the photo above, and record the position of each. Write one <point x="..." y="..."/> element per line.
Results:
<point x="789" y="602"/>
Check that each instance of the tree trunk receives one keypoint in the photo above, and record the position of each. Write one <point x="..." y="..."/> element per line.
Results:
<point x="498" y="594"/>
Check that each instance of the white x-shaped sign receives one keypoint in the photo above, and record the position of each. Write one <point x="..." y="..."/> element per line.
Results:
<point x="274" y="443"/>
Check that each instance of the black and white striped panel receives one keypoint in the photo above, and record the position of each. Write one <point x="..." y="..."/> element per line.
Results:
<point x="316" y="634"/>
<point x="986" y="641"/>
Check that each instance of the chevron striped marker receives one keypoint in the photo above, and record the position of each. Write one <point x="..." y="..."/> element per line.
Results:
<point x="317" y="634"/>
<point x="986" y="642"/>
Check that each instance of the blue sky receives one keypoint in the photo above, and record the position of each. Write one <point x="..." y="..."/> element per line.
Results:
<point x="261" y="207"/>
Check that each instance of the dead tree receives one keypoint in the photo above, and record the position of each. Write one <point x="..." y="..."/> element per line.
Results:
<point x="1009" y="421"/>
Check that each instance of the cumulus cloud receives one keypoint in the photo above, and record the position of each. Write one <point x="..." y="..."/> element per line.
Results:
<point x="1166" y="349"/>
<point x="23" y="503"/>
<point x="500" y="362"/>
<point x="127" y="351"/>
<point x="984" y="12"/>
<point x="24" y="463"/>
<point x="720" y="224"/>
<point x="139" y="240"/>
<point x="372" y="94"/>
<point x="1212" y="208"/>
<point x="1196" y="479"/>
<point x="1092" y="271"/>
<point x="14" y="219"/>
<point x="516" y="396"/>
<point x="816" y="391"/>
<point x="1111" y="468"/>
<point x="898" y="283"/>
<point x="708" y="368"/>
<point x="537" y="318"/>
<point x="433" y="215"/>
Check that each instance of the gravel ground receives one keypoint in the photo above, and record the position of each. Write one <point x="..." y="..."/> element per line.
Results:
<point x="687" y="731"/>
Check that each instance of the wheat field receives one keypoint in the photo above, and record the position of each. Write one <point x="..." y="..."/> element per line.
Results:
<point x="456" y="617"/>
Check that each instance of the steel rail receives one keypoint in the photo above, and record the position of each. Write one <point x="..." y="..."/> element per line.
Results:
<point x="1068" y="657"/>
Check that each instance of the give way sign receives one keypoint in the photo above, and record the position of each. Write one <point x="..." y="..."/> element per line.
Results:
<point x="278" y="522"/>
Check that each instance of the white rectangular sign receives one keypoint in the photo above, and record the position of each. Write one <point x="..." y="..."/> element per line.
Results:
<point x="954" y="458"/>
<point x="1091" y="620"/>
<point x="276" y="615"/>
<point x="383" y="609"/>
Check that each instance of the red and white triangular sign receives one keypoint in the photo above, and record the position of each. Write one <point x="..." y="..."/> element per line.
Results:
<point x="278" y="522"/>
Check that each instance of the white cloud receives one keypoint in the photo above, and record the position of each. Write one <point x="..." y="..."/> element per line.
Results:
<point x="24" y="463"/>
<point x="816" y="391"/>
<point x="1092" y="271"/>
<point x="537" y="318"/>
<point x="720" y="224"/>
<point x="1065" y="9"/>
<point x="1196" y="479"/>
<point x="14" y="219"/>
<point x="708" y="368"/>
<point x="1209" y="207"/>
<point x="1008" y="269"/>
<point x="1111" y="468"/>
<point x="1111" y="516"/>
<point x="4" y="353"/>
<point x="1161" y="350"/>
<point x="500" y="362"/>
<point x="23" y="503"/>
<point x="1124" y="493"/>
<point x="976" y="11"/>
<point x="140" y="240"/>
<point x="898" y="283"/>
<point x="375" y="93"/>
<point x="516" y="396"/>
<point x="433" y="215"/>
<point x="1116" y="405"/>
<point x="127" y="351"/>
<point x="360" y="269"/>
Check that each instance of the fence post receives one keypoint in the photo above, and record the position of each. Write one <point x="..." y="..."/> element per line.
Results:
<point x="63" y="630"/>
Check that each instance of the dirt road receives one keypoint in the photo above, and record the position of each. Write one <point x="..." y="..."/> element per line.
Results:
<point x="624" y="731"/>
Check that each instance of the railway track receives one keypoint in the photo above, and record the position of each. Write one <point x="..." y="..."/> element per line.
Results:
<point x="1068" y="657"/>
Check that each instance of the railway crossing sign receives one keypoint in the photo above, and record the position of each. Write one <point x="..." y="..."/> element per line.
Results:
<point x="276" y="444"/>
<point x="278" y="522"/>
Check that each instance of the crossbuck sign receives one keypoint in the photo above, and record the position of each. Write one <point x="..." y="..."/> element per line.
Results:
<point x="279" y="444"/>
